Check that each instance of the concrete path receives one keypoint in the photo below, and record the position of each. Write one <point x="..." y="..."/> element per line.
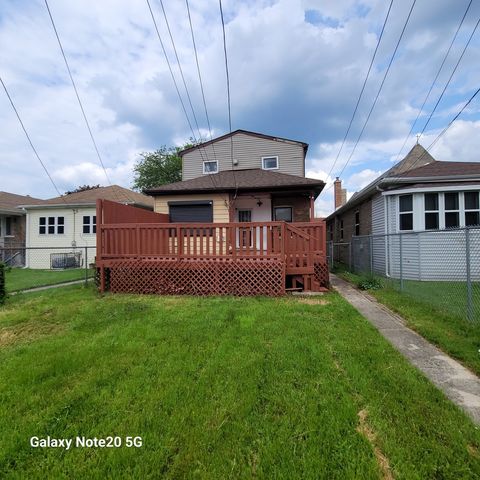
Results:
<point x="48" y="287"/>
<point x="460" y="385"/>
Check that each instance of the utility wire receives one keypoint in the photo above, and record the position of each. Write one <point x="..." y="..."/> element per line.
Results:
<point x="200" y="78"/>
<point x="362" y="90"/>
<point x="29" y="139"/>
<point x="434" y="81"/>
<point x="380" y="88"/>
<point x="450" y="78"/>
<point x="77" y="95"/>
<point x="228" y="95"/>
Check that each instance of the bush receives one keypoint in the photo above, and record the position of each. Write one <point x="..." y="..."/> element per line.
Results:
<point x="369" y="283"/>
<point x="3" y="293"/>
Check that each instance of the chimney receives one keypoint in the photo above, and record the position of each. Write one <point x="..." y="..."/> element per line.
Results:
<point x="340" y="193"/>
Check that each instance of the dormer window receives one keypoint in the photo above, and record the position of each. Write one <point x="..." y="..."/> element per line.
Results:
<point x="270" y="163"/>
<point x="210" y="166"/>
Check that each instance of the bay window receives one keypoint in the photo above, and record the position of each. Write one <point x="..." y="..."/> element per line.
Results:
<point x="452" y="210"/>
<point x="406" y="212"/>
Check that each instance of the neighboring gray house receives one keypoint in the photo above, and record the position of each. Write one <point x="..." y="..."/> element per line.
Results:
<point x="418" y="194"/>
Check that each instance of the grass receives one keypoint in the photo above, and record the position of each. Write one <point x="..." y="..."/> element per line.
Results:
<point x="24" y="278"/>
<point x="423" y="309"/>
<point x="218" y="388"/>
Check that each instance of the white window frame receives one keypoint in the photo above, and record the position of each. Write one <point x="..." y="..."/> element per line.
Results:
<point x="459" y="211"/>
<point x="268" y="158"/>
<point x="55" y="225"/>
<point x="205" y="172"/>
<point x="437" y="211"/>
<point x="469" y="210"/>
<point x="92" y="225"/>
<point x="406" y="212"/>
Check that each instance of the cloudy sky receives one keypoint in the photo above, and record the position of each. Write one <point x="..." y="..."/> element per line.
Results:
<point x="296" y="69"/>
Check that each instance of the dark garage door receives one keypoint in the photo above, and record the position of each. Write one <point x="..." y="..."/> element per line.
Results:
<point x="198" y="212"/>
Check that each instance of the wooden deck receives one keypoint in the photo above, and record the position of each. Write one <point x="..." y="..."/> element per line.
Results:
<point x="216" y="258"/>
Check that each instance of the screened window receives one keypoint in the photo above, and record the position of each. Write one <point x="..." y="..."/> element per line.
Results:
<point x="51" y="225"/>
<point x="283" y="214"/>
<point x="270" y="163"/>
<point x="210" y="167"/>
<point x="431" y="211"/>
<point x="89" y="224"/>
<point x="472" y="209"/>
<point x="452" y="214"/>
<point x="357" y="223"/>
<point x="406" y="212"/>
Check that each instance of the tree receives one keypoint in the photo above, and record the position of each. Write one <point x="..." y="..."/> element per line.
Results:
<point x="83" y="188"/>
<point x="158" y="168"/>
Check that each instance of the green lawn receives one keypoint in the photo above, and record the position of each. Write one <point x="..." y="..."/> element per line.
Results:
<point x="423" y="307"/>
<point x="218" y="388"/>
<point x="24" y="278"/>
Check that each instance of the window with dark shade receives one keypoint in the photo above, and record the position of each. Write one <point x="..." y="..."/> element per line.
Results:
<point x="406" y="203"/>
<point x="472" y="209"/>
<point x="451" y="201"/>
<point x="431" y="211"/>
<point x="42" y="222"/>
<point x="357" y="223"/>
<point x="283" y="214"/>
<point x="452" y="214"/>
<point x="431" y="201"/>
<point x="8" y="226"/>
<point x="406" y="212"/>
<point x="89" y="224"/>
<point x="341" y="230"/>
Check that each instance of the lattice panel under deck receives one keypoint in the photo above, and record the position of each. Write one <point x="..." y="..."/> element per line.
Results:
<point x="320" y="272"/>
<point x="198" y="277"/>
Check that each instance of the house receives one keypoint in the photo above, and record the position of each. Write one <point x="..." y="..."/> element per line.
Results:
<point x="241" y="177"/>
<point x="59" y="229"/>
<point x="416" y="195"/>
<point x="241" y="222"/>
<point x="13" y="226"/>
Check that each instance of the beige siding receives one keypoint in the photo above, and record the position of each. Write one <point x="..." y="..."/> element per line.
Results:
<point x="248" y="151"/>
<point x="58" y="243"/>
<point x="220" y="204"/>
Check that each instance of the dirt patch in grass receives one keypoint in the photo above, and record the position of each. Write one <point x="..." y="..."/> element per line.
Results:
<point x="313" y="301"/>
<point x="365" y="429"/>
<point x="473" y="451"/>
<point x="27" y="332"/>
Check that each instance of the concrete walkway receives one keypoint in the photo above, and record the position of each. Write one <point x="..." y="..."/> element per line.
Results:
<point x="460" y="385"/>
<point x="48" y="287"/>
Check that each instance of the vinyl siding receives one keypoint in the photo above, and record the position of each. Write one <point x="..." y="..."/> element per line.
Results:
<point x="220" y="204"/>
<point x="248" y="151"/>
<point x="378" y="228"/>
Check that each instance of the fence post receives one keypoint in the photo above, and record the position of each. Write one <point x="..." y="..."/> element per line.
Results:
<point x="469" y="278"/>
<point x="86" y="265"/>
<point x="401" y="263"/>
<point x="370" y="238"/>
<point x="350" y="255"/>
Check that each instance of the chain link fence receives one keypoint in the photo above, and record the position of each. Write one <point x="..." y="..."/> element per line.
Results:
<point x="34" y="267"/>
<point x="440" y="267"/>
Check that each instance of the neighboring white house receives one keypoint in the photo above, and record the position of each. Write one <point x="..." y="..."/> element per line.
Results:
<point x="58" y="230"/>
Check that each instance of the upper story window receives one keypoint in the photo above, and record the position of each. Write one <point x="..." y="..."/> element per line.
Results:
<point x="357" y="223"/>
<point x="472" y="210"/>
<point x="452" y="210"/>
<point x="210" y="166"/>
<point x="270" y="163"/>
<point x="89" y="224"/>
<point x="51" y="225"/>
<point x="431" y="211"/>
<point x="406" y="212"/>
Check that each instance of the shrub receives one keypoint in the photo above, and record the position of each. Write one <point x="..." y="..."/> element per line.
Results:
<point x="3" y="293"/>
<point x="369" y="283"/>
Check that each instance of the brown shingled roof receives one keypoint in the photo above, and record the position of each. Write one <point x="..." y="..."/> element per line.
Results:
<point x="9" y="202"/>
<point x="442" y="169"/>
<point x="241" y="180"/>
<point x="88" y="197"/>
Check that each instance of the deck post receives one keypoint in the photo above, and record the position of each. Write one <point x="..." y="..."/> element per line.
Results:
<point x="468" y="272"/>
<point x="179" y="242"/>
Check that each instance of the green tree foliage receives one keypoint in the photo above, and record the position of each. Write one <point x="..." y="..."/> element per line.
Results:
<point x="83" y="188"/>
<point x="158" y="168"/>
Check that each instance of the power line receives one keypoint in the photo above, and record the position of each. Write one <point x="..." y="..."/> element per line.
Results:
<point x="228" y="94"/>
<point x="434" y="80"/>
<point x="363" y="88"/>
<point x="29" y="139"/>
<point x="77" y="95"/>
<point x="380" y="88"/>
<point x="450" y="78"/>
<point x="200" y="76"/>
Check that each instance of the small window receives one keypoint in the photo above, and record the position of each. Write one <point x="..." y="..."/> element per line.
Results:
<point x="60" y="225"/>
<point x="8" y="226"/>
<point x="406" y="212"/>
<point x="42" y="225"/>
<point x="283" y="214"/>
<point x="89" y="224"/>
<point x="431" y="211"/>
<point x="244" y="215"/>
<point x="270" y="163"/>
<point x="341" y="230"/>
<point x="452" y="214"/>
<point x="357" y="223"/>
<point x="472" y="209"/>
<point x="210" y="167"/>
<point x="51" y="225"/>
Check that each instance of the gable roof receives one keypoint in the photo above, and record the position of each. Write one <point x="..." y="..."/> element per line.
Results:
<point x="9" y="202"/>
<point x="245" y="132"/>
<point x="443" y="169"/>
<point x="239" y="180"/>
<point x="114" y="193"/>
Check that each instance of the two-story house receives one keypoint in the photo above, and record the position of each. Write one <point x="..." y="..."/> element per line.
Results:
<point x="241" y="177"/>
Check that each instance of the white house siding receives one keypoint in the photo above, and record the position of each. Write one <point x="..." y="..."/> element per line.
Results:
<point x="41" y="258"/>
<point x="220" y="204"/>
<point x="378" y="231"/>
<point x="248" y="151"/>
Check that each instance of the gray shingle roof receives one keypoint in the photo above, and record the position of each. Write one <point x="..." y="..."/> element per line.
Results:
<point x="9" y="202"/>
